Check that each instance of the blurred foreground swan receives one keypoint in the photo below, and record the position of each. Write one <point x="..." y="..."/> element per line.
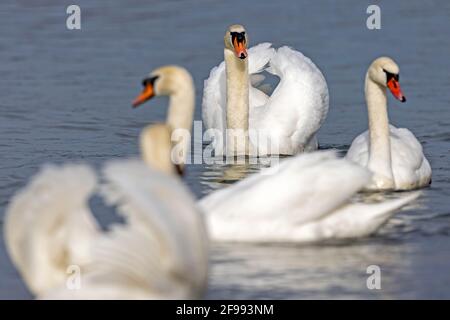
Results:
<point x="304" y="199"/>
<point x="394" y="155"/>
<point x="234" y="99"/>
<point x="160" y="252"/>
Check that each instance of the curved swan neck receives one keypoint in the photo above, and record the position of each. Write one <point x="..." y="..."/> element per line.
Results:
<point x="181" y="106"/>
<point x="237" y="100"/>
<point x="380" y="144"/>
<point x="156" y="147"/>
<point x="165" y="146"/>
<point x="179" y="119"/>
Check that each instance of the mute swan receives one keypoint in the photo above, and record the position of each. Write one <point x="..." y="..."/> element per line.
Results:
<point x="394" y="155"/>
<point x="304" y="199"/>
<point x="159" y="253"/>
<point x="289" y="118"/>
<point x="177" y="83"/>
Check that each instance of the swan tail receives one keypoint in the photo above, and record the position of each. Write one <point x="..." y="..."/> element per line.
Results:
<point x="163" y="245"/>
<point x="362" y="219"/>
<point x="48" y="225"/>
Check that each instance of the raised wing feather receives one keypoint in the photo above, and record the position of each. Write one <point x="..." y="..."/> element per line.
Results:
<point x="163" y="245"/>
<point x="48" y="225"/>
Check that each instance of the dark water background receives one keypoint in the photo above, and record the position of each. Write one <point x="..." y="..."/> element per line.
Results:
<point x="65" y="95"/>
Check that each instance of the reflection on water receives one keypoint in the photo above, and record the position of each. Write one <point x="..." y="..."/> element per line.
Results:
<point x="295" y="272"/>
<point x="325" y="271"/>
<point x="217" y="176"/>
<point x="224" y="172"/>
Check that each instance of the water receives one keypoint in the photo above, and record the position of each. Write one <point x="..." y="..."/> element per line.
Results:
<point x="65" y="95"/>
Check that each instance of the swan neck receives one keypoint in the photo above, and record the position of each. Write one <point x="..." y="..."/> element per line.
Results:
<point x="237" y="112"/>
<point x="179" y="120"/>
<point x="380" y="145"/>
<point x="156" y="148"/>
<point x="181" y="107"/>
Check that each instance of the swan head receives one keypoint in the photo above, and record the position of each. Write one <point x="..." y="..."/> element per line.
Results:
<point x="236" y="40"/>
<point x="156" y="149"/>
<point x="164" y="81"/>
<point x="385" y="72"/>
<point x="155" y="141"/>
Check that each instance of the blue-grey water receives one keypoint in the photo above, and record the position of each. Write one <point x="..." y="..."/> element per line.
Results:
<point x="65" y="95"/>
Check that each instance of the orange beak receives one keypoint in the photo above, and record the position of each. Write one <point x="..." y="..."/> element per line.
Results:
<point x="396" y="91"/>
<point x="146" y="94"/>
<point x="240" y="49"/>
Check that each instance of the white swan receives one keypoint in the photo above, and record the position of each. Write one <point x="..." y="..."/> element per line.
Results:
<point x="159" y="253"/>
<point x="290" y="117"/>
<point x="304" y="199"/>
<point x="394" y="155"/>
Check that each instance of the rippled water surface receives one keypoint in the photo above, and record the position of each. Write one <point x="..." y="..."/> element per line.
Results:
<point x="65" y="95"/>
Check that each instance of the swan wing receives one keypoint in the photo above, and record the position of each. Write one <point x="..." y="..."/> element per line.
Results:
<point x="214" y="99"/>
<point x="258" y="60"/>
<point x="359" y="150"/>
<point x="410" y="167"/>
<point x="259" y="57"/>
<point x="214" y="92"/>
<point x="299" y="104"/>
<point x="48" y="225"/>
<point x="162" y="247"/>
<point x="305" y="188"/>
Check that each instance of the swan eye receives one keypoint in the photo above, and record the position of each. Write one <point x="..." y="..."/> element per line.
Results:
<point x="390" y="76"/>
<point x="149" y="81"/>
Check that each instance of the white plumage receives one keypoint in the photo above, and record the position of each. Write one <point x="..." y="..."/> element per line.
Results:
<point x="410" y="168"/>
<point x="48" y="225"/>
